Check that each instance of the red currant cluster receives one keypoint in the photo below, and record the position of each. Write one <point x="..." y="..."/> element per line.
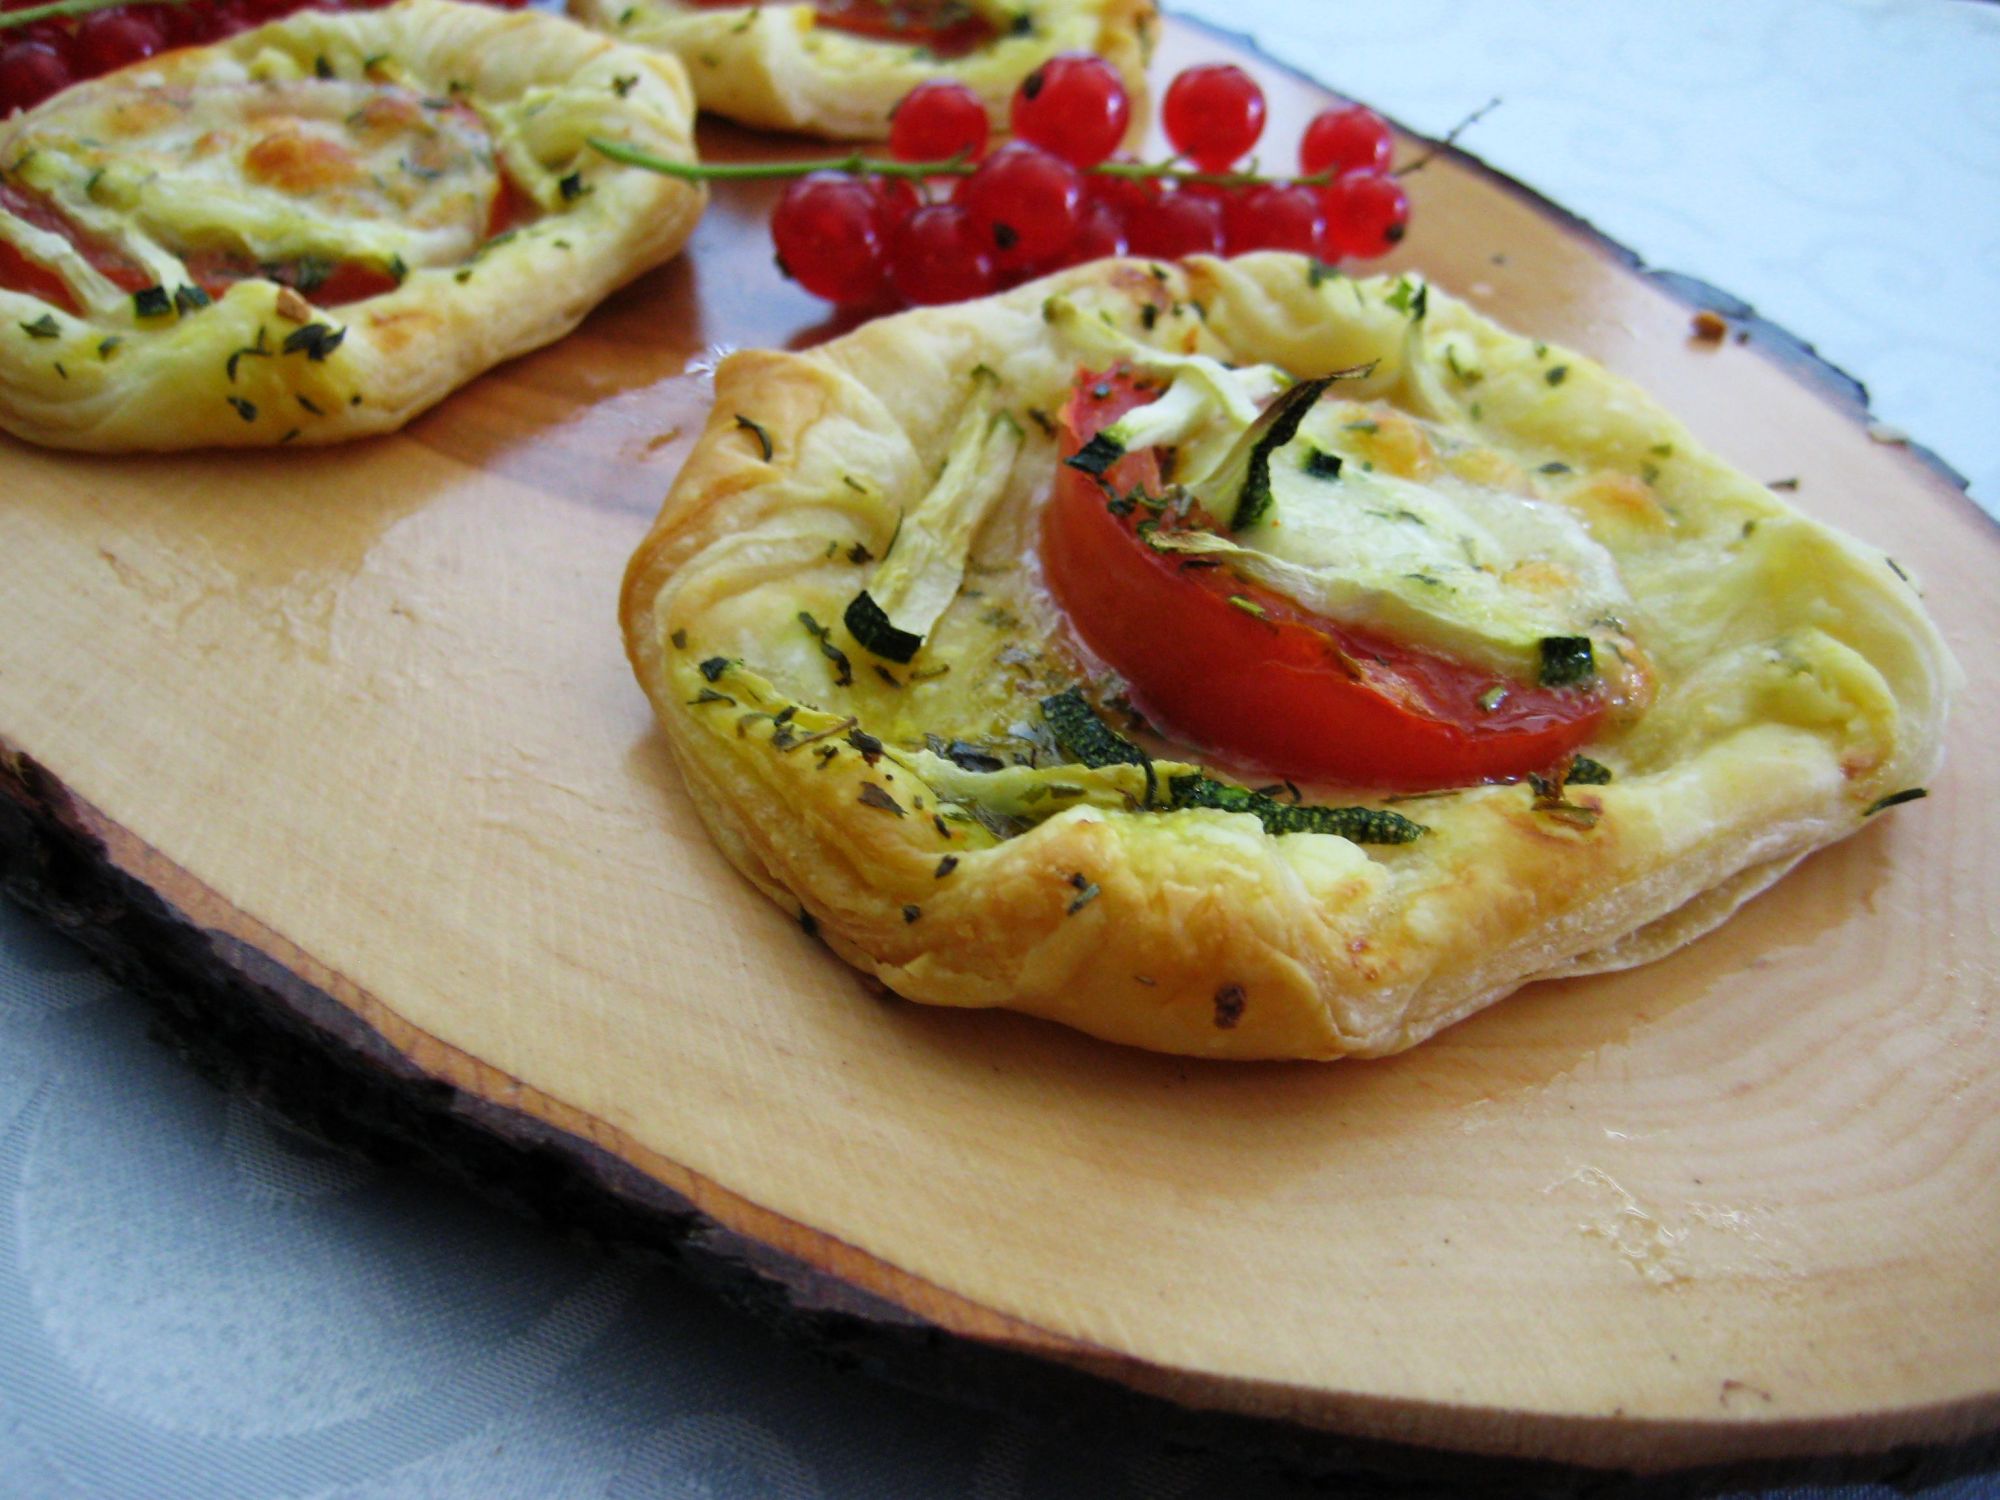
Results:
<point x="43" y="56"/>
<point x="944" y="220"/>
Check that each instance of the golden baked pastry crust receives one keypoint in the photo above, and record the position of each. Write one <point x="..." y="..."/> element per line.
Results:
<point x="486" y="91"/>
<point x="775" y="67"/>
<point x="1797" y="683"/>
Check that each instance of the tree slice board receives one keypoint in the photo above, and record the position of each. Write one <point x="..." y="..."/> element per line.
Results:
<point x="354" y="728"/>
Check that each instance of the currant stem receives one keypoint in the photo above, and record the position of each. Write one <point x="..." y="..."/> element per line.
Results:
<point x="957" y="166"/>
<point x="35" y="13"/>
<point x="854" y="162"/>
<point x="1449" y="140"/>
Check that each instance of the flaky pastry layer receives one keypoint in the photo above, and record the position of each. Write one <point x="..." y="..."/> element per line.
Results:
<point x="1797" y="682"/>
<point x="124" y="373"/>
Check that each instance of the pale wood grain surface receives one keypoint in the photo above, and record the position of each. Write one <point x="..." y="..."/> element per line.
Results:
<point x="367" y="708"/>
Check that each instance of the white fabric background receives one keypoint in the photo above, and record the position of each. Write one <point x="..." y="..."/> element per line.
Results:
<point x="196" y="1302"/>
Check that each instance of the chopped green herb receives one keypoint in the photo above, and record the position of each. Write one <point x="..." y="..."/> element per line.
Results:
<point x="679" y="639"/>
<point x="874" y="796"/>
<point x="624" y="84"/>
<point x="1567" y="659"/>
<point x="945" y="866"/>
<point x="710" y="695"/>
<point x="573" y="187"/>
<point x="1366" y="425"/>
<point x="965" y="756"/>
<point x="1893" y="566"/>
<point x="189" y="299"/>
<point x="259" y="350"/>
<point x="1411" y="298"/>
<point x="1247" y="605"/>
<point x="1321" y="464"/>
<point x="763" y="437"/>
<point x="152" y="302"/>
<point x="106" y="346"/>
<point x="1894" y="799"/>
<point x="1555" y="466"/>
<point x="244" y="409"/>
<point x="316" y="341"/>
<point x="399" y="269"/>
<point x="1556" y="374"/>
<point x="307" y="403"/>
<point x="912" y="912"/>
<point x="1787" y="485"/>
<point x="1149" y="315"/>
<point x="843" y="668"/>
<point x="1086" y="892"/>
<point x="322" y="69"/>
<point x="44" y="327"/>
<point x="712" y="669"/>
<point x="1229" y="1003"/>
<point x="1583" y="771"/>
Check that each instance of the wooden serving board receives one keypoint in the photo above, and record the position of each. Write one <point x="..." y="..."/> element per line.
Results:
<point x="348" y="737"/>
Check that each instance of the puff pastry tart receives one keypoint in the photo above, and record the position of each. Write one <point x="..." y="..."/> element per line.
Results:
<point x="316" y="230"/>
<point x="1246" y="661"/>
<point x="837" y="68"/>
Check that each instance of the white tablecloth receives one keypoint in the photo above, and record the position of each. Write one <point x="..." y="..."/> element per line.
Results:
<point x="196" y="1302"/>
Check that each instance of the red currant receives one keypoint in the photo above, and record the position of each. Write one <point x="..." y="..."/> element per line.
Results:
<point x="232" y="16"/>
<point x="937" y="120"/>
<point x="1276" y="216"/>
<point x="1345" y="140"/>
<point x="1178" y="223"/>
<point x="825" y="230"/>
<point x="896" y="198"/>
<point x="108" y="39"/>
<point x="1100" y="233"/>
<point x="1074" y="105"/>
<point x="1367" y="214"/>
<point x="188" y="25"/>
<point x="50" y="29"/>
<point x="1125" y="194"/>
<point x="1023" y="201"/>
<point x="1213" y="114"/>
<point x="937" y="256"/>
<point x="29" y="73"/>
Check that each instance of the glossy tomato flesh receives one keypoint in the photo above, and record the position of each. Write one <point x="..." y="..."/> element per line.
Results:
<point x="941" y="29"/>
<point x="1242" y="671"/>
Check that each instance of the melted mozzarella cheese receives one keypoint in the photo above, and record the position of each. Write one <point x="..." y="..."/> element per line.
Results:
<point x="276" y="171"/>
<point x="1440" y="554"/>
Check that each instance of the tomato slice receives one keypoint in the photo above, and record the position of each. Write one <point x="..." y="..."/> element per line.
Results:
<point x="19" y="274"/>
<point x="1245" y="672"/>
<point x="214" y="271"/>
<point x="941" y="27"/>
